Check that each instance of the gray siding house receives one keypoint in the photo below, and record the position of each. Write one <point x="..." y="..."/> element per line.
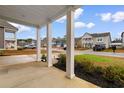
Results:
<point x="89" y="40"/>
<point x="7" y="36"/>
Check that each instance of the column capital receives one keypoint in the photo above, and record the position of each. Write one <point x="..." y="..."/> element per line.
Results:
<point x="38" y="27"/>
<point x="49" y="21"/>
<point x="71" y="8"/>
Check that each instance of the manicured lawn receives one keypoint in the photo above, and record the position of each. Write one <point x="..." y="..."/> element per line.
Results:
<point x="93" y="58"/>
<point x="100" y="60"/>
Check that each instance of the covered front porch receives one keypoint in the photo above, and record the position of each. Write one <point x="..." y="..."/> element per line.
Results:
<point x="39" y="16"/>
<point x="36" y="75"/>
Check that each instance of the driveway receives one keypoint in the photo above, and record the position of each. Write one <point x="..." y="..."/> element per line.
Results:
<point x="100" y="53"/>
<point x="16" y="59"/>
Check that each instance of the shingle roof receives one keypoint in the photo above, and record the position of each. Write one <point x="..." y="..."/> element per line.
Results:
<point x="100" y="34"/>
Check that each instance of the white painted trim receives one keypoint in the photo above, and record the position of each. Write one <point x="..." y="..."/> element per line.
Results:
<point x="38" y="56"/>
<point x="70" y="45"/>
<point x="15" y="41"/>
<point x="4" y="39"/>
<point x="49" y="44"/>
<point x="13" y="31"/>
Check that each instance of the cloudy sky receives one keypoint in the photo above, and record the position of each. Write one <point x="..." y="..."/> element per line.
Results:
<point x="92" y="19"/>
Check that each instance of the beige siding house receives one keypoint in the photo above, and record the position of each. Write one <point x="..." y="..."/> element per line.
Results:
<point x="89" y="40"/>
<point x="7" y="36"/>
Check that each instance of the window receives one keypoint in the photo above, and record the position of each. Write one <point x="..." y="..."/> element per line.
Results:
<point x="99" y="39"/>
<point x="9" y="35"/>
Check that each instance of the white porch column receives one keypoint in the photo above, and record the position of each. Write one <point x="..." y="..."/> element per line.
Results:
<point x="15" y="40"/>
<point x="70" y="45"/>
<point x="49" y="44"/>
<point x="38" y="56"/>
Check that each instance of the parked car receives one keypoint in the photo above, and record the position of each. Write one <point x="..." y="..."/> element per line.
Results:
<point x="30" y="46"/>
<point x="99" y="47"/>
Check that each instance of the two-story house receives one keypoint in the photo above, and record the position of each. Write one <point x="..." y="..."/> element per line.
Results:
<point x="89" y="40"/>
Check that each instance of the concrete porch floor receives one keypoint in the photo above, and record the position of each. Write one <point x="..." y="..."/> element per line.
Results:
<point x="37" y="75"/>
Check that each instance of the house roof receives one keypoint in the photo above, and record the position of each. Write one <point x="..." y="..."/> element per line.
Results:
<point x="8" y="26"/>
<point x="100" y="34"/>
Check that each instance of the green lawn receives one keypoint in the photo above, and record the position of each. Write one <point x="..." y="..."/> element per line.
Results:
<point x="100" y="60"/>
<point x="93" y="58"/>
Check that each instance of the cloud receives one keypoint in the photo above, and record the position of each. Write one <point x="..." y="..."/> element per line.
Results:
<point x="115" y="17"/>
<point x="118" y="16"/>
<point x="77" y="14"/>
<point x="105" y="16"/>
<point x="79" y="25"/>
<point x="90" y="25"/>
<point x="21" y="28"/>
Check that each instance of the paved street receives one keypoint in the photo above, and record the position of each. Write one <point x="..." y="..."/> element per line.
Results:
<point x="100" y="53"/>
<point x="90" y="51"/>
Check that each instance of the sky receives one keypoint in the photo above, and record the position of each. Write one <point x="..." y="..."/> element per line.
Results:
<point x="91" y="19"/>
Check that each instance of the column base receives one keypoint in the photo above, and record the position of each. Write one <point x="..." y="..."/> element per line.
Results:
<point x="50" y="65"/>
<point x="38" y="60"/>
<point x="70" y="76"/>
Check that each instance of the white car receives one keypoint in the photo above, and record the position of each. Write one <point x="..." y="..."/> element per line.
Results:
<point x="30" y="46"/>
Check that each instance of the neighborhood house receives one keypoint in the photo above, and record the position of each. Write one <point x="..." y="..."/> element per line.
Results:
<point x="89" y="40"/>
<point x="7" y="35"/>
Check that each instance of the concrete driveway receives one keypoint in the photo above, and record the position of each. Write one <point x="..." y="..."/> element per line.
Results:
<point x="90" y="51"/>
<point x="16" y="59"/>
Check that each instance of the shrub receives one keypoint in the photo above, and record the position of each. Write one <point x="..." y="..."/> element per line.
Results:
<point x="113" y="73"/>
<point x="20" y="48"/>
<point x="85" y="67"/>
<point x="108" y="76"/>
<point x="99" y="70"/>
<point x="44" y="58"/>
<point x="62" y="60"/>
<point x="1" y="52"/>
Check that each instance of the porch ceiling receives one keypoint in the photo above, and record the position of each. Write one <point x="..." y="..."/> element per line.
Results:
<point x="33" y="15"/>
